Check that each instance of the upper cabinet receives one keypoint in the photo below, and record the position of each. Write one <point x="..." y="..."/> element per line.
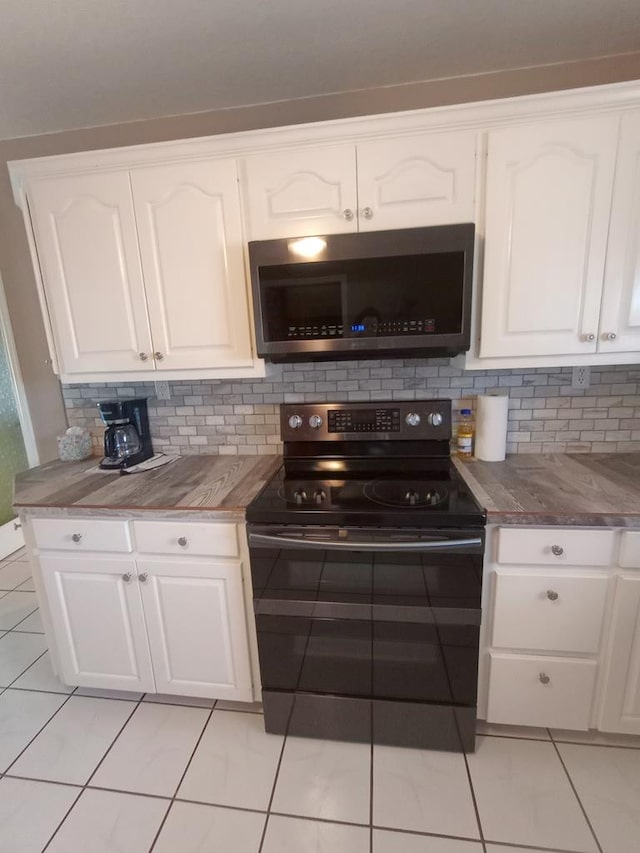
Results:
<point x="548" y="198"/>
<point x="620" y="315"/>
<point x="403" y="182"/>
<point x="143" y="270"/>
<point x="85" y="231"/>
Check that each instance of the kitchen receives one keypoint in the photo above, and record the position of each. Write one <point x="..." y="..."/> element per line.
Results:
<point x="217" y="400"/>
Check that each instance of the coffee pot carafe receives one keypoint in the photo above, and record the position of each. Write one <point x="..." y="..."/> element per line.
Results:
<point x="127" y="440"/>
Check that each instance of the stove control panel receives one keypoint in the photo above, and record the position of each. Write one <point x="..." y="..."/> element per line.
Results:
<point x="392" y="421"/>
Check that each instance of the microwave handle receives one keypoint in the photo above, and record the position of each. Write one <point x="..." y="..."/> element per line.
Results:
<point x="335" y="545"/>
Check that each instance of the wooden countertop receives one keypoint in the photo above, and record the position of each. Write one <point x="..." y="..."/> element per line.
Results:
<point x="600" y="489"/>
<point x="224" y="484"/>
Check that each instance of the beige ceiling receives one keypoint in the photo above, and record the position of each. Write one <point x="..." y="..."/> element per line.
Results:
<point x="78" y="63"/>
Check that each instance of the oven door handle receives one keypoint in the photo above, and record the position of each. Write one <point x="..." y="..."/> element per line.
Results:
<point x="354" y="544"/>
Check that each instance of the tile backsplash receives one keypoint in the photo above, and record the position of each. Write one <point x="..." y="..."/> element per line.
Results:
<point x="240" y="416"/>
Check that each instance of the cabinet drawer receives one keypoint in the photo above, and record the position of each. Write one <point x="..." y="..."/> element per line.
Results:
<point x="520" y="694"/>
<point x="629" y="557"/>
<point x="555" y="546"/>
<point x="81" y="534"/>
<point x="549" y="611"/>
<point x="177" y="537"/>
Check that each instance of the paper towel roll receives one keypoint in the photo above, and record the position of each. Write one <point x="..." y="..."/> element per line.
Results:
<point x="491" y="427"/>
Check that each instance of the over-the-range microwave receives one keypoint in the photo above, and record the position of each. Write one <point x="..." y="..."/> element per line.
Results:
<point x="377" y="294"/>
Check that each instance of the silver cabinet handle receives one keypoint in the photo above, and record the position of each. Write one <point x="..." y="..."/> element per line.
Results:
<point x="588" y="338"/>
<point x="367" y="212"/>
<point x="158" y="356"/>
<point x="611" y="336"/>
<point x="544" y="678"/>
<point x="557" y="550"/>
<point x="182" y="541"/>
<point x="143" y="356"/>
<point x="552" y="595"/>
<point x="347" y="214"/>
<point x="76" y="537"/>
<point x="126" y="577"/>
<point x="143" y="577"/>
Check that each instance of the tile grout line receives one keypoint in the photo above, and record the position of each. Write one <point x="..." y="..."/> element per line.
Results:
<point x="371" y="759"/>
<point x="39" y="732"/>
<point x="273" y="791"/>
<point x="184" y="773"/>
<point x="475" y="802"/>
<point x="577" y="796"/>
<point x="84" y="787"/>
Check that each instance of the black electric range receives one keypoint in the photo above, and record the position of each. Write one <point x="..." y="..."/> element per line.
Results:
<point x="366" y="553"/>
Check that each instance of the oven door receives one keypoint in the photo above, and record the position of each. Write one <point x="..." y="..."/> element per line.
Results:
<point x="382" y="615"/>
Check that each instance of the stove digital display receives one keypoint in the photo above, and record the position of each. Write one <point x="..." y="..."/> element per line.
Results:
<point x="364" y="420"/>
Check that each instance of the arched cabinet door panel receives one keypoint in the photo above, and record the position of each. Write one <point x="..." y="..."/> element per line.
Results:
<point x="191" y="247"/>
<point x="85" y="232"/>
<point x="548" y="201"/>
<point x="416" y="181"/>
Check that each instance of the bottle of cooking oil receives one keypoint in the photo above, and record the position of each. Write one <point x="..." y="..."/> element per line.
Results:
<point x="465" y="434"/>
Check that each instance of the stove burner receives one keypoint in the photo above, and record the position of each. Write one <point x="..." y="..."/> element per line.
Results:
<point x="405" y="494"/>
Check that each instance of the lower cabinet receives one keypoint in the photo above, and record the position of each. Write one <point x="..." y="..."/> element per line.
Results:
<point x="98" y="622"/>
<point x="158" y="624"/>
<point x="561" y="626"/>
<point x="621" y="684"/>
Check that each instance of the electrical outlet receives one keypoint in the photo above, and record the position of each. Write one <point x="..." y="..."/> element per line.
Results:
<point x="580" y="377"/>
<point x="162" y="391"/>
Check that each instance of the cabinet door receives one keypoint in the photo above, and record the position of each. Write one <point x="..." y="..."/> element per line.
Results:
<point x="85" y="233"/>
<point x="547" y="217"/>
<point x="621" y="684"/>
<point x="301" y="192"/>
<point x="97" y="618"/>
<point x="197" y="627"/>
<point x="191" y="246"/>
<point x="417" y="180"/>
<point x="620" y="316"/>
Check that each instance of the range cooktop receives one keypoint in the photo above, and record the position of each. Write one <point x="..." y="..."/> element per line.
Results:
<point x="439" y="498"/>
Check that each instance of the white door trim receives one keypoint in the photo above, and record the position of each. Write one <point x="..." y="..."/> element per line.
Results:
<point x="6" y="338"/>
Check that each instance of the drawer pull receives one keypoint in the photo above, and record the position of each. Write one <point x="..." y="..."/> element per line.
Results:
<point x="544" y="678"/>
<point x="558" y="550"/>
<point x="126" y="577"/>
<point x="76" y="537"/>
<point x="552" y="595"/>
<point x="182" y="541"/>
<point x="143" y="577"/>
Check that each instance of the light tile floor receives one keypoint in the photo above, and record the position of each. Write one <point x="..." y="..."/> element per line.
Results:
<point x="111" y="772"/>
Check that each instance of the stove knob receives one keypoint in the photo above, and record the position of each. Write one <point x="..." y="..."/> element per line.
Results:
<point x="300" y="496"/>
<point x="315" y="421"/>
<point x="411" y="497"/>
<point x="435" y="419"/>
<point x="295" y="421"/>
<point x="413" y="419"/>
<point x="319" y="496"/>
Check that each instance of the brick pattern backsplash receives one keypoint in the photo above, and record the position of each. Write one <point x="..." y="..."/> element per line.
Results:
<point x="241" y="416"/>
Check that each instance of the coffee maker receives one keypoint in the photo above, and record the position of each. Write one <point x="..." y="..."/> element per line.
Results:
<point x="127" y="440"/>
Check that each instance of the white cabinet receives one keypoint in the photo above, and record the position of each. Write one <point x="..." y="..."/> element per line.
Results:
<point x="85" y="233"/>
<point x="620" y="315"/>
<point x="546" y="593"/>
<point x="621" y="682"/>
<point x="170" y="624"/>
<point x="548" y="197"/>
<point x="195" y="620"/>
<point x="404" y="182"/>
<point x="98" y="624"/>
<point x="143" y="270"/>
<point x="191" y="246"/>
